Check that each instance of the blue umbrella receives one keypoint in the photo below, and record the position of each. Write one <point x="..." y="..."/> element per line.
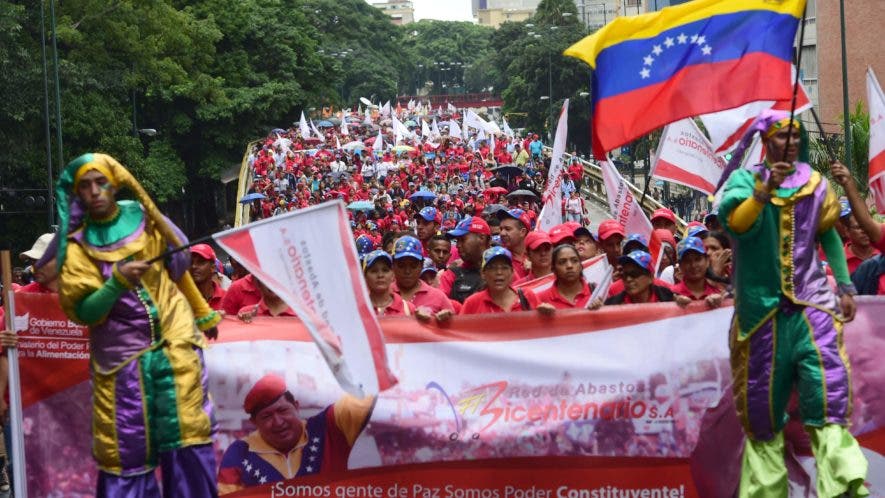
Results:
<point x="278" y="130"/>
<point x="422" y="194"/>
<point x="361" y="206"/>
<point x="254" y="196"/>
<point x="325" y="124"/>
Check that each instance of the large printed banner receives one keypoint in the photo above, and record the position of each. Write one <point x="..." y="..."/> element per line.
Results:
<point x="686" y="157"/>
<point x="622" y="401"/>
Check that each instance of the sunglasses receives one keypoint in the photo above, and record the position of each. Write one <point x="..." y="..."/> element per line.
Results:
<point x="633" y="273"/>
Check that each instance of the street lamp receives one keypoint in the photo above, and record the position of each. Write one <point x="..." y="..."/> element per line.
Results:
<point x="584" y="94"/>
<point x="545" y="97"/>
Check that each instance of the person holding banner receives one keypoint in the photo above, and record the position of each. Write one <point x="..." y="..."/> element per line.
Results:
<point x="284" y="446"/>
<point x="694" y="263"/>
<point x="637" y="274"/>
<point x="515" y="226"/>
<point x="874" y="231"/>
<point x="570" y="290"/>
<point x="498" y="296"/>
<point x="407" y="264"/>
<point x="787" y="328"/>
<point x="379" y="278"/>
<point x="473" y="237"/>
<point x="150" y="392"/>
<point x="538" y="248"/>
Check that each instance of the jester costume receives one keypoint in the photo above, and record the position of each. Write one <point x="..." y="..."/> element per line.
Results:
<point x="150" y="398"/>
<point x="787" y="328"/>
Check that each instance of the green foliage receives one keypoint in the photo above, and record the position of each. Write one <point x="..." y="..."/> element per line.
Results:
<point x="819" y="151"/>
<point x="532" y="65"/>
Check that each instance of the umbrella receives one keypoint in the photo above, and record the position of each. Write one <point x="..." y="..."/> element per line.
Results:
<point x="254" y="196"/>
<point x="522" y="193"/>
<point x="422" y="194"/>
<point x="410" y="123"/>
<point x="361" y="206"/>
<point x="496" y="190"/>
<point x="278" y="130"/>
<point x="325" y="124"/>
<point x="403" y="148"/>
<point x="351" y="119"/>
<point x="492" y="209"/>
<point x="508" y="170"/>
<point x="355" y="145"/>
<point x="334" y="121"/>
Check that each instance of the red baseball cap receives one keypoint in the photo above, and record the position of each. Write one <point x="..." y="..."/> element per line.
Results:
<point x="663" y="213"/>
<point x="264" y="393"/>
<point x="537" y="238"/>
<point x="205" y="251"/>
<point x="610" y="227"/>
<point x="561" y="232"/>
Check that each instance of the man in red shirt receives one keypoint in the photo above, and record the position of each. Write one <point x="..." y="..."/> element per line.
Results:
<point x="407" y="264"/>
<point x="859" y="248"/>
<point x="538" y="249"/>
<point x="242" y="292"/>
<point x="427" y="220"/>
<point x="45" y="272"/>
<point x="694" y="286"/>
<point x="473" y="237"/>
<point x="204" y="272"/>
<point x="664" y="218"/>
<point x="639" y="287"/>
<point x="515" y="225"/>
<point x="611" y="234"/>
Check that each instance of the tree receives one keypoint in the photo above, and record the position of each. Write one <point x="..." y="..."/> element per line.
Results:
<point x="822" y="145"/>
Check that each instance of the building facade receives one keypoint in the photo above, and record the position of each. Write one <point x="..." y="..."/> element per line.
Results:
<point x="493" y="13"/>
<point x="400" y="11"/>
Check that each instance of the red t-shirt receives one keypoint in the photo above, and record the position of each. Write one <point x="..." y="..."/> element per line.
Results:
<point x="481" y="303"/>
<point x="241" y="293"/>
<point x="217" y="296"/>
<point x="34" y="288"/>
<point x="397" y="307"/>
<point x="880" y="245"/>
<point x="427" y="297"/>
<point x="617" y="286"/>
<point x="881" y="291"/>
<point x="519" y="269"/>
<point x="855" y="261"/>
<point x="683" y="290"/>
<point x="551" y="295"/>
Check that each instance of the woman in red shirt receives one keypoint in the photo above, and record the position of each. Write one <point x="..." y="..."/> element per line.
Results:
<point x="639" y="287"/>
<point x="379" y="277"/>
<point x="693" y="262"/>
<point x="569" y="290"/>
<point x="498" y="296"/>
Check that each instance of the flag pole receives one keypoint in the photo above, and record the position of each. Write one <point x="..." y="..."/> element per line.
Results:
<point x="174" y="250"/>
<point x="846" y="116"/>
<point x="796" y="81"/>
<point x="15" y="448"/>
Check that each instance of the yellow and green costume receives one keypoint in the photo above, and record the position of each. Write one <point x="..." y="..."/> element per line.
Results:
<point x="150" y="399"/>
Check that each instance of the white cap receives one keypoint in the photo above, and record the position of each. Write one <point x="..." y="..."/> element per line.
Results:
<point x="39" y="248"/>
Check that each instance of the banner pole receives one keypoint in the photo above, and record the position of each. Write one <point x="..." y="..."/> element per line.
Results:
<point x="17" y="445"/>
<point x="846" y="116"/>
<point x="796" y="82"/>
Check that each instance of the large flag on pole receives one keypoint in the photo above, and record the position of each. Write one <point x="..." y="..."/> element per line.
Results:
<point x="300" y="264"/>
<point x="434" y="129"/>
<point x="551" y="213"/>
<point x="344" y="130"/>
<point x="303" y="129"/>
<point x="507" y="130"/>
<point x="690" y="59"/>
<point x="876" y="104"/>
<point x="378" y="144"/>
<point x="686" y="157"/>
<point x="425" y="130"/>
<point x="727" y="127"/>
<point x="454" y="129"/>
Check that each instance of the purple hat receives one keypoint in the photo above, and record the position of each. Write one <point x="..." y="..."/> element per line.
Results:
<point x="761" y="124"/>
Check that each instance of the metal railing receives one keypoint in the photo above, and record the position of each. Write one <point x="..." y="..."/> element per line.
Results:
<point x="242" y="211"/>
<point x="593" y="188"/>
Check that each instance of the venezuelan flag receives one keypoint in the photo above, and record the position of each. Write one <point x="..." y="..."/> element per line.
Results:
<point x="694" y="58"/>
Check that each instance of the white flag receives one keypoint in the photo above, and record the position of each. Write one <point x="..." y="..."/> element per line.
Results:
<point x="344" y="131"/>
<point x="454" y="129"/>
<point x="507" y="130"/>
<point x="385" y="111"/>
<point x="551" y="213"/>
<point x="378" y="145"/>
<point x="425" y="130"/>
<point x="317" y="131"/>
<point x="299" y="264"/>
<point x="368" y="120"/>
<point x="686" y="157"/>
<point x="337" y="143"/>
<point x="876" y="104"/>
<point x="434" y="129"/>
<point x="303" y="129"/>
<point x="622" y="204"/>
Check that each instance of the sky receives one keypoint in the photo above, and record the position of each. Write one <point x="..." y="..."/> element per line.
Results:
<point x="443" y="10"/>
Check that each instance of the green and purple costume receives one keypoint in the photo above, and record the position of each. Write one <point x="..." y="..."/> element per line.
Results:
<point x="787" y="330"/>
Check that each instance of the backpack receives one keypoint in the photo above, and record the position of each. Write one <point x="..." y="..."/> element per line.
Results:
<point x="467" y="282"/>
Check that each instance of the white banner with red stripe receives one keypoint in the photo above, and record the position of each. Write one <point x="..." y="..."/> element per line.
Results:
<point x="551" y="213"/>
<point x="622" y="203"/>
<point x="876" y="103"/>
<point x="685" y="156"/>
<point x="595" y="270"/>
<point x="308" y="258"/>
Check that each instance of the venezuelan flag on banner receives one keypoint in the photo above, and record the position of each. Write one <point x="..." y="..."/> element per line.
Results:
<point x="695" y="58"/>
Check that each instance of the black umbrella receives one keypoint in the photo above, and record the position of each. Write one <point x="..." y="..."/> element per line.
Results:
<point x="508" y="170"/>
<point x="522" y="193"/>
<point x="492" y="209"/>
